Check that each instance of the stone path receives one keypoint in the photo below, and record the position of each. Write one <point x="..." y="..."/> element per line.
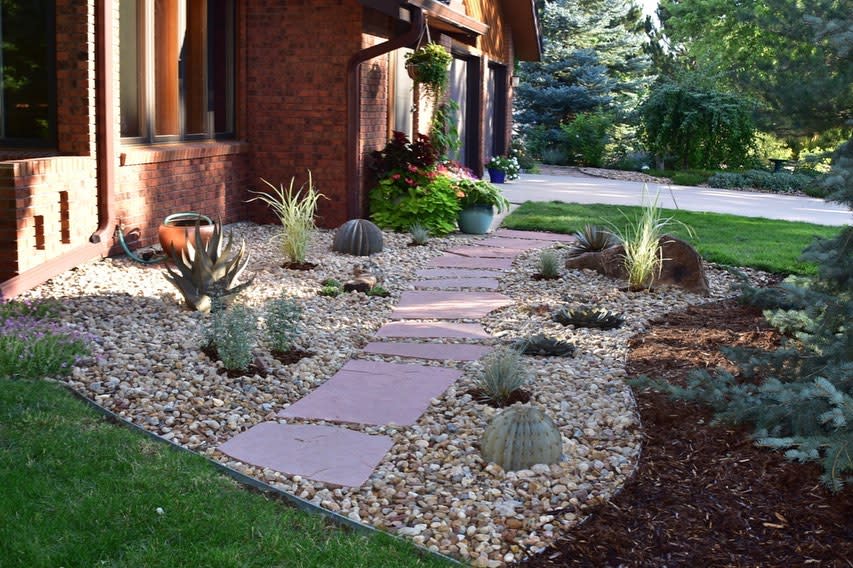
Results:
<point x="380" y="393"/>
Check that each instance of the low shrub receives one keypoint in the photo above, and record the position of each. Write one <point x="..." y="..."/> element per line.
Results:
<point x="33" y="348"/>
<point x="778" y="182"/>
<point x="282" y="323"/>
<point x="232" y="333"/>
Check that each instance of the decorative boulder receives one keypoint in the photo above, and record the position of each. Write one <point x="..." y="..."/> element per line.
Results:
<point x="358" y="237"/>
<point x="682" y="265"/>
<point x="520" y="437"/>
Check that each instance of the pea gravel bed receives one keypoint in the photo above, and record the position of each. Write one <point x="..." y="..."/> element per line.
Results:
<point x="432" y="486"/>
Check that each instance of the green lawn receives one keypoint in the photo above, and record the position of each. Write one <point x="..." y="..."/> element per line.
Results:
<point x="76" y="490"/>
<point x="754" y="242"/>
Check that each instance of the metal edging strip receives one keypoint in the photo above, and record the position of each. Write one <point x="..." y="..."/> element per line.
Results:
<point x="294" y="500"/>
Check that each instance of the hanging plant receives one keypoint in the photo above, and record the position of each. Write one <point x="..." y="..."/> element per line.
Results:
<point x="427" y="66"/>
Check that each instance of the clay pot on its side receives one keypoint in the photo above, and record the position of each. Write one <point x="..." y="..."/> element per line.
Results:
<point x="179" y="228"/>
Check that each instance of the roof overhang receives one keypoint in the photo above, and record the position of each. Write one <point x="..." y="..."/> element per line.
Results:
<point x="457" y="25"/>
<point x="525" y="28"/>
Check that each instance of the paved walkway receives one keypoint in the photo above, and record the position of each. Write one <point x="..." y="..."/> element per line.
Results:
<point x="364" y="392"/>
<point x="581" y="188"/>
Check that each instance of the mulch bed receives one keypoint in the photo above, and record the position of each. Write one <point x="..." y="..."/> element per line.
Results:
<point x="705" y="495"/>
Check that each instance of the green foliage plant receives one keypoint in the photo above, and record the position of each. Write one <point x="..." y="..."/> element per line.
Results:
<point x="33" y="345"/>
<point x="587" y="136"/>
<point x="331" y="288"/>
<point x="378" y="292"/>
<point x="282" y="317"/>
<point x="503" y="373"/>
<point x="295" y="212"/>
<point x="641" y="241"/>
<point x="549" y="265"/>
<point x="233" y="333"/>
<point x="428" y="65"/>
<point x="803" y="404"/>
<point x="420" y="234"/>
<point x="778" y="182"/>
<point x="479" y="192"/>
<point x="208" y="272"/>
<point x="415" y="195"/>
<point x="443" y="132"/>
<point x="591" y="238"/>
<point x="695" y="127"/>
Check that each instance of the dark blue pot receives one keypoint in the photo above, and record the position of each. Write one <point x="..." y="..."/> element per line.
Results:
<point x="497" y="176"/>
<point x="476" y="219"/>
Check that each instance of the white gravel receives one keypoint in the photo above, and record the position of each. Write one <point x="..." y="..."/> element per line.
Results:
<point x="432" y="487"/>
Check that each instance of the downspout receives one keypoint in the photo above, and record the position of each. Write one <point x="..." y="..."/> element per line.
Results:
<point x="105" y="122"/>
<point x="354" y="202"/>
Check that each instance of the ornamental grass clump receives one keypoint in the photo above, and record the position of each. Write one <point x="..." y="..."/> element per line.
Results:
<point x="232" y="333"/>
<point x="295" y="211"/>
<point x="420" y="234"/>
<point x="549" y="265"/>
<point x="282" y="317"/>
<point x="33" y="347"/>
<point x="503" y="374"/>
<point x="641" y="241"/>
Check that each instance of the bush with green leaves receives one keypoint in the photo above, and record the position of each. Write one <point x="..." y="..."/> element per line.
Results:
<point x="778" y="182"/>
<point x="282" y="323"/>
<point x="415" y="195"/>
<point x="587" y="137"/>
<point x="803" y="403"/>
<point x="233" y="332"/>
<point x="33" y="345"/>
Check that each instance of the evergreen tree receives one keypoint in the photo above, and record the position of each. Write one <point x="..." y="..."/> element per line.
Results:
<point x="593" y="59"/>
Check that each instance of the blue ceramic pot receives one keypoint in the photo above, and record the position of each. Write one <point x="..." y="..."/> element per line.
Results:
<point x="497" y="176"/>
<point x="476" y="219"/>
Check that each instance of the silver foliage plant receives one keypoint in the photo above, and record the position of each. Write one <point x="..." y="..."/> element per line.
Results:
<point x="503" y="373"/>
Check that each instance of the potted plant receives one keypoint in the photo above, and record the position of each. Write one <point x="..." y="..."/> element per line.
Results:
<point x="427" y="65"/>
<point x="479" y="200"/>
<point x="502" y="168"/>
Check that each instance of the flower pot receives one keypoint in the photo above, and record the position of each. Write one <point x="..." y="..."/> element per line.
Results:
<point x="476" y="219"/>
<point x="179" y="228"/>
<point x="497" y="176"/>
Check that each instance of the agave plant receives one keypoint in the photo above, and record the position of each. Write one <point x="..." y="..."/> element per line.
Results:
<point x="592" y="238"/>
<point x="207" y="273"/>
<point x="542" y="345"/>
<point x="586" y="316"/>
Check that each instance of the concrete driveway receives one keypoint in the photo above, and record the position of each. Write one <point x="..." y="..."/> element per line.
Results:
<point x="581" y="188"/>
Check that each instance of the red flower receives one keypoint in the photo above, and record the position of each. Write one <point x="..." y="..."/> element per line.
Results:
<point x="395" y="177"/>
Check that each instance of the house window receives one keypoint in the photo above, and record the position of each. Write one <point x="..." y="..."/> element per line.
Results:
<point x="177" y="69"/>
<point x="27" y="97"/>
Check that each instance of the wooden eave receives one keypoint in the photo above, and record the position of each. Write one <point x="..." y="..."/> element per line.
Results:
<point x="521" y="16"/>
<point x="451" y="22"/>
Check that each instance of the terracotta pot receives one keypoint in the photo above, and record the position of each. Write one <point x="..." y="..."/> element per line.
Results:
<point x="179" y="228"/>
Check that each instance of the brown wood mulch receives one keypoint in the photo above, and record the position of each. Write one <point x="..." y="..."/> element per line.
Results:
<point x="705" y="495"/>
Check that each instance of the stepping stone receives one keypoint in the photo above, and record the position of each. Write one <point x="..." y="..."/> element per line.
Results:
<point x="514" y="244"/>
<point x="436" y="351"/>
<point x="456" y="261"/>
<point x="457" y="273"/>
<point x="444" y="283"/>
<point x="536" y="235"/>
<point x="448" y="305"/>
<point x="373" y="392"/>
<point x="322" y="453"/>
<point x="485" y="252"/>
<point x="450" y="330"/>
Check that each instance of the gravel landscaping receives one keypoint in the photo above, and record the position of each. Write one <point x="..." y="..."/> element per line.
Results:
<point x="433" y="487"/>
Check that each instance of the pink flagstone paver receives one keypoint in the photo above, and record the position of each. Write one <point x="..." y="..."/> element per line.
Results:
<point x="373" y="392"/>
<point x="485" y="252"/>
<point x="514" y="244"/>
<point x="445" y="283"/>
<point x="537" y="235"/>
<point x="456" y="261"/>
<point x="322" y="453"/>
<point x="437" y="351"/>
<point x="450" y="330"/>
<point x="457" y="273"/>
<point x="448" y="305"/>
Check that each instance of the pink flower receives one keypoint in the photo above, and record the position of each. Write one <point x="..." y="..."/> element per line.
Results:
<point x="395" y="177"/>
<point x="410" y="181"/>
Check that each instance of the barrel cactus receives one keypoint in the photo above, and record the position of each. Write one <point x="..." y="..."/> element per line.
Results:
<point x="521" y="436"/>
<point x="358" y="237"/>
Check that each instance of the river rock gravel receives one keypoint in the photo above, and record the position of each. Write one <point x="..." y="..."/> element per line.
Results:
<point x="432" y="487"/>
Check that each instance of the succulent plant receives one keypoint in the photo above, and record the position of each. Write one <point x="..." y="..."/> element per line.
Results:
<point x="586" y="316"/>
<point x="520" y="437"/>
<point x="207" y="273"/>
<point x="378" y="291"/>
<point x="549" y="265"/>
<point x="542" y="345"/>
<point x="592" y="238"/>
<point x="420" y="234"/>
<point x="358" y="237"/>
<point x="503" y="374"/>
